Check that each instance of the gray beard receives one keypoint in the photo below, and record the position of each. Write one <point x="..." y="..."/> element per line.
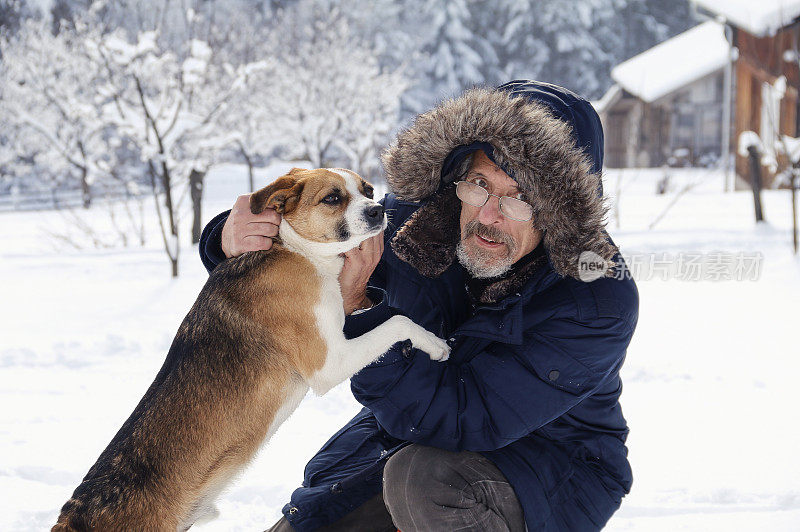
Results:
<point x="482" y="266"/>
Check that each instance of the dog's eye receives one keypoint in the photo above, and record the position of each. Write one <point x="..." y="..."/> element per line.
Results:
<point x="368" y="191"/>
<point x="332" y="199"/>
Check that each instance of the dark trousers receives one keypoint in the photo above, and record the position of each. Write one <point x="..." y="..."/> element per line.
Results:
<point x="428" y="489"/>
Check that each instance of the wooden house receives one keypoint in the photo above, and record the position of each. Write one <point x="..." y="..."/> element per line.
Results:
<point x="687" y="100"/>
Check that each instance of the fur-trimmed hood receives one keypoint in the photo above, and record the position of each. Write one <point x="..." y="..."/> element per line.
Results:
<point x="545" y="137"/>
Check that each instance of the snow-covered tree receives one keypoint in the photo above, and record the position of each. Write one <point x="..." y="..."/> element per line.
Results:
<point x="18" y="153"/>
<point x="372" y="116"/>
<point x="48" y="97"/>
<point x="452" y="53"/>
<point x="130" y="89"/>
<point x="166" y="106"/>
<point x="12" y="12"/>
<point x="574" y="44"/>
<point x="325" y="83"/>
<point x="249" y="117"/>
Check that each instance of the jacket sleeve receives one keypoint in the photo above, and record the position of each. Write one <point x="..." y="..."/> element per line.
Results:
<point x="501" y="394"/>
<point x="211" y="242"/>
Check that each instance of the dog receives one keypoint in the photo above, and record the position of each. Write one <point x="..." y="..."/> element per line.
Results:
<point x="266" y="327"/>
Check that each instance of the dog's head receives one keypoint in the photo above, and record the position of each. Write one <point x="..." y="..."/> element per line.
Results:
<point x="327" y="206"/>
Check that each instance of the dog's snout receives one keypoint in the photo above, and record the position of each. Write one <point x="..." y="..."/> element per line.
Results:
<point x="374" y="212"/>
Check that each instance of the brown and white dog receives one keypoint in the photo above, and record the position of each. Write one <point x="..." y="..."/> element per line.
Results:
<point x="266" y="327"/>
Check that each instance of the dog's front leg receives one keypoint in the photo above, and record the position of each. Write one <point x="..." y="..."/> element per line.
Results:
<point x="345" y="357"/>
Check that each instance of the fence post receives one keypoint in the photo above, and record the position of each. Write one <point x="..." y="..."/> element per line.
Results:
<point x="795" y="182"/>
<point x="755" y="180"/>
<point x="196" y="191"/>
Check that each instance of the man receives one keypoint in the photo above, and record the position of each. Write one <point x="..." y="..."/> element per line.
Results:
<point x="496" y="243"/>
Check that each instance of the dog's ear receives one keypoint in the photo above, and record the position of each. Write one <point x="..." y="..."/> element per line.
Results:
<point x="282" y="195"/>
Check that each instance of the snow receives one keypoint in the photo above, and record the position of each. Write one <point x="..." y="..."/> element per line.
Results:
<point x="675" y="63"/>
<point x="751" y="138"/>
<point x="195" y="65"/>
<point x="610" y="97"/>
<point x="748" y="139"/>
<point x="759" y="17"/>
<point x="710" y="378"/>
<point x="792" y="148"/>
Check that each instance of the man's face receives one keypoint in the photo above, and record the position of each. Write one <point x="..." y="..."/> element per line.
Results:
<point x="490" y="242"/>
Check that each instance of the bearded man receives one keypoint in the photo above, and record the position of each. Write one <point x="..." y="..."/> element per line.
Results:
<point x="497" y="243"/>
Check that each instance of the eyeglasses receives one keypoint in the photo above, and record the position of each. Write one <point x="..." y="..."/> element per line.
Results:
<point x="477" y="196"/>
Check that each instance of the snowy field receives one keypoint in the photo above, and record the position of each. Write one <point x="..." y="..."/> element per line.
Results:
<point x="710" y="379"/>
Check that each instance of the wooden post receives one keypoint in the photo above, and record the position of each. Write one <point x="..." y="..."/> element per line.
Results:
<point x="755" y="180"/>
<point x="196" y="191"/>
<point x="795" y="182"/>
<point x="249" y="167"/>
<point x="86" y="193"/>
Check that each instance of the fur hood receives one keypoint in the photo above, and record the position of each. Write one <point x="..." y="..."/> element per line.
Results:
<point x="545" y="137"/>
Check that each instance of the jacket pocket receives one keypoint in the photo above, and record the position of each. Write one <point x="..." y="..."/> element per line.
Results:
<point x="356" y="446"/>
<point x="559" y="369"/>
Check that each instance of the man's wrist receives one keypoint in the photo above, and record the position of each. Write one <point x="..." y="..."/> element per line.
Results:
<point x="366" y="305"/>
<point x="211" y="251"/>
<point x="363" y="304"/>
<point x="358" y="324"/>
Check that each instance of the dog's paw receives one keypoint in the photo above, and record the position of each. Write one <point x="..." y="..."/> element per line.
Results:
<point x="420" y="337"/>
<point x="436" y="348"/>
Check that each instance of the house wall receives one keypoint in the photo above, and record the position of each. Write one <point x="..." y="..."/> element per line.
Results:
<point x="653" y="136"/>
<point x="621" y="124"/>
<point x="640" y="134"/>
<point x="760" y="62"/>
<point x="693" y="117"/>
<point x="615" y="126"/>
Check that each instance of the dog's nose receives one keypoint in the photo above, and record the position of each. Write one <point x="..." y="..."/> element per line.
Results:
<point x="375" y="212"/>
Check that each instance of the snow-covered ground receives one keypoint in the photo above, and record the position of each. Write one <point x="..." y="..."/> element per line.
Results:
<point x="710" y="391"/>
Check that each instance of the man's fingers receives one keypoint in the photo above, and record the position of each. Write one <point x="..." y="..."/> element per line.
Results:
<point x="372" y="245"/>
<point x="256" y="243"/>
<point x="242" y="203"/>
<point x="268" y="215"/>
<point x="354" y="259"/>
<point x="373" y="248"/>
<point x="242" y="208"/>
<point x="261" y="228"/>
<point x="244" y="231"/>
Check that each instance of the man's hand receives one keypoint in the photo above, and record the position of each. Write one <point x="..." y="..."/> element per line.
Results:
<point x="359" y="263"/>
<point x="244" y="231"/>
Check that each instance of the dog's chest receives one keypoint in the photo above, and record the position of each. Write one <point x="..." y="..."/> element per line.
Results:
<point x="329" y="310"/>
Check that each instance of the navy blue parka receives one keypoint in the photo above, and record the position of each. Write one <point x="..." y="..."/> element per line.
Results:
<point x="532" y="382"/>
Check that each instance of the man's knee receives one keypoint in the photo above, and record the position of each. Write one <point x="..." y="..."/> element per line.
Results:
<point x="416" y="488"/>
<point x="415" y="470"/>
<point x="401" y="475"/>
<point x="399" y="462"/>
<point x="425" y="488"/>
<point x="413" y="474"/>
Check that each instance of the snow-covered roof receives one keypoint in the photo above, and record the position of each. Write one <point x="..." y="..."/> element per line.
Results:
<point x="609" y="98"/>
<point x="674" y="63"/>
<point x="759" y="17"/>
